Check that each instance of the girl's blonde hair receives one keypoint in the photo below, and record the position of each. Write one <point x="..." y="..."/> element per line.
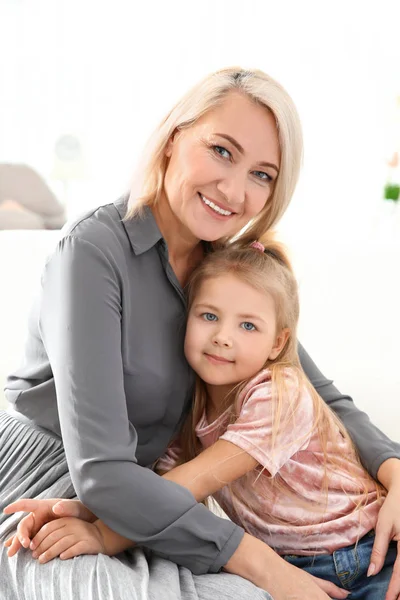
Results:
<point x="270" y="272"/>
<point x="202" y="98"/>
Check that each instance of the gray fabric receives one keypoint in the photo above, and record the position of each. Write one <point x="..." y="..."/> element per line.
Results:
<point x="109" y="287"/>
<point x="39" y="469"/>
<point x="104" y="368"/>
<point x="372" y="444"/>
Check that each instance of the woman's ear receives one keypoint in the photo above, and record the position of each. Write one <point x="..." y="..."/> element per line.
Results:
<point x="280" y="343"/>
<point x="170" y="144"/>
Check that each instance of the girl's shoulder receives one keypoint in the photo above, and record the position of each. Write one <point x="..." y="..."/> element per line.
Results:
<point x="261" y="387"/>
<point x="263" y="380"/>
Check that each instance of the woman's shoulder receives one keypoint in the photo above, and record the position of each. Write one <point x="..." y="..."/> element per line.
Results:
<point x="105" y="228"/>
<point x="97" y="226"/>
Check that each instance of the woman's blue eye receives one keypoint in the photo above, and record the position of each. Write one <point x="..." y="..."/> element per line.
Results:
<point x="262" y="175"/>
<point x="222" y="151"/>
<point x="209" y="316"/>
<point x="248" y="326"/>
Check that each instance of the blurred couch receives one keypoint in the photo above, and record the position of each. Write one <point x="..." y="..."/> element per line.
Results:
<point x="350" y="312"/>
<point x="26" y="201"/>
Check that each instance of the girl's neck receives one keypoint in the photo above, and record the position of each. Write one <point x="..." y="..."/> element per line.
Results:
<point x="219" y="398"/>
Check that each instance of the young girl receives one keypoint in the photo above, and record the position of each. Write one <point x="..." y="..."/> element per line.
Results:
<point x="259" y="439"/>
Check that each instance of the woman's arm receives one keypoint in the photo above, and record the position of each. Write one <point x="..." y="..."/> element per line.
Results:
<point x="373" y="446"/>
<point x="80" y="323"/>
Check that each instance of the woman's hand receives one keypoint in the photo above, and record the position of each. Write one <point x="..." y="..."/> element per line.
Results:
<point x="40" y="513"/>
<point x="386" y="530"/>
<point x="388" y="525"/>
<point x="66" y="538"/>
<point x="258" y="563"/>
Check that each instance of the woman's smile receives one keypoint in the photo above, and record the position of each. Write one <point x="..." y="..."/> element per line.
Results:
<point x="215" y="207"/>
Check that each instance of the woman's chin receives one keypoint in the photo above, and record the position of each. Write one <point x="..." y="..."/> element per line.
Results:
<point x="212" y="233"/>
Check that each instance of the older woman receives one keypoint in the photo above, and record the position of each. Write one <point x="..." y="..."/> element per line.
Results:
<point x="104" y="384"/>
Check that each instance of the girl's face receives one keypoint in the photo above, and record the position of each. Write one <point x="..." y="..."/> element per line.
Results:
<point x="222" y="170"/>
<point x="231" y="331"/>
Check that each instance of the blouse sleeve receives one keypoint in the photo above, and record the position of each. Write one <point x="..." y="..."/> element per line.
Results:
<point x="256" y="432"/>
<point x="80" y="324"/>
<point x="373" y="446"/>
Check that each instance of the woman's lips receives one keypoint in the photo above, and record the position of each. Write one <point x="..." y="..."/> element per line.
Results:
<point x="212" y="212"/>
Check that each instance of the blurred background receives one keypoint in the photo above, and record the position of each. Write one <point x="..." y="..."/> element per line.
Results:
<point x="84" y="83"/>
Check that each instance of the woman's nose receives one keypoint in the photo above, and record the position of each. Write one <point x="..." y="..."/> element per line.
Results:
<point x="233" y="187"/>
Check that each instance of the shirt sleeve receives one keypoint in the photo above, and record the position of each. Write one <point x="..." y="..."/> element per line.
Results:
<point x="170" y="458"/>
<point x="270" y="434"/>
<point x="80" y="323"/>
<point x="373" y="446"/>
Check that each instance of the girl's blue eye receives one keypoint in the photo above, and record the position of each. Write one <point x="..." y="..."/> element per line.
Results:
<point x="263" y="176"/>
<point x="222" y="151"/>
<point x="209" y="316"/>
<point x="247" y="326"/>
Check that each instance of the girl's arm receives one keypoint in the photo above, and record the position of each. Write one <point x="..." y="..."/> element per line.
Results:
<point x="373" y="446"/>
<point x="220" y="464"/>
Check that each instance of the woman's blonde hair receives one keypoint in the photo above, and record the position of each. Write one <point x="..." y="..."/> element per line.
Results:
<point x="270" y="272"/>
<point x="202" y="98"/>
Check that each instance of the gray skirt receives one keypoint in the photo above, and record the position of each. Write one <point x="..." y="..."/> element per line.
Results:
<point x="33" y="465"/>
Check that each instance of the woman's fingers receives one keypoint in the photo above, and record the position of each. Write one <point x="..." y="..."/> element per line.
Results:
<point x="73" y="551"/>
<point x="330" y="588"/>
<point x="48" y="535"/>
<point x="14" y="546"/>
<point x="51" y="549"/>
<point x="26" y="530"/>
<point x="383" y="534"/>
<point x="73" y="508"/>
<point x="22" y="505"/>
<point x="393" y="591"/>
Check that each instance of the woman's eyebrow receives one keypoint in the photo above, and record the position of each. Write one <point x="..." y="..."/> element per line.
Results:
<point x="240" y="149"/>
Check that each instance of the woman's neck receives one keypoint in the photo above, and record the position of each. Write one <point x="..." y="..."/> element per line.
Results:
<point x="185" y="251"/>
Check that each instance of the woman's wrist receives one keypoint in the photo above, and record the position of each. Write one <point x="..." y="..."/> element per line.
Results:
<point x="389" y="473"/>
<point x="256" y="561"/>
<point x="113" y="543"/>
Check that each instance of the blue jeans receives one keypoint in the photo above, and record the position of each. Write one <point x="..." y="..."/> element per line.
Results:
<point x="348" y="567"/>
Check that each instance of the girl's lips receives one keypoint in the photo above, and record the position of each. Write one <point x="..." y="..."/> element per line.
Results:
<point x="218" y="360"/>
<point x="212" y="212"/>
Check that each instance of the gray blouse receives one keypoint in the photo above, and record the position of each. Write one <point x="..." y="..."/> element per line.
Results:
<point x="104" y="369"/>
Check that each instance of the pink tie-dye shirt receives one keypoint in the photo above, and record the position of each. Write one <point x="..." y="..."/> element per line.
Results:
<point x="284" y="521"/>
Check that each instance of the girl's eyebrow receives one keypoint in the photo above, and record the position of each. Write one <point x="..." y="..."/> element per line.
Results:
<point x="240" y="149"/>
<point x="252" y="317"/>
<point x="208" y="306"/>
<point x="215" y="309"/>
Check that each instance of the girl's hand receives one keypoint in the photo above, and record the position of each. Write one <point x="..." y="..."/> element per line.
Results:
<point x="386" y="530"/>
<point x="66" y="538"/>
<point x="40" y="513"/>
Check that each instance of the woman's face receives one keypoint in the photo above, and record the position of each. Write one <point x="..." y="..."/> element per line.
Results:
<point x="222" y="170"/>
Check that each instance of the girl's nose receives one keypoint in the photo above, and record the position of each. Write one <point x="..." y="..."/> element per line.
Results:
<point x="222" y="340"/>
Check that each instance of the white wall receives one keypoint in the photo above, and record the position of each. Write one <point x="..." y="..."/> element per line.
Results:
<point x="108" y="71"/>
